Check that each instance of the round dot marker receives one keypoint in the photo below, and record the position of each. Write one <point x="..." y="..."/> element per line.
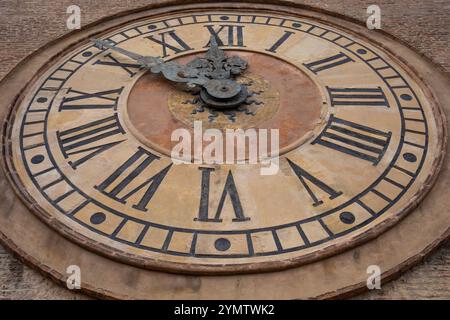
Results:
<point x="406" y="97"/>
<point x="41" y="100"/>
<point x="361" y="51"/>
<point x="224" y="18"/>
<point x="347" y="217"/>
<point x="87" y="54"/>
<point x="98" y="217"/>
<point x="37" y="159"/>
<point x="409" y="157"/>
<point x="222" y="244"/>
<point x="296" y="25"/>
<point x="152" y="27"/>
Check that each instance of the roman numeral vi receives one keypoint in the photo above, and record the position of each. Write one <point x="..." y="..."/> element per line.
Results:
<point x="228" y="190"/>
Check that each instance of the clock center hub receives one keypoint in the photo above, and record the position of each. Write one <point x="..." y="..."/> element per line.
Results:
<point x="260" y="98"/>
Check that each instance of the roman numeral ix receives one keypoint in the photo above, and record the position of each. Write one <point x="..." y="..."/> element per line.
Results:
<point x="354" y="139"/>
<point x="80" y="100"/>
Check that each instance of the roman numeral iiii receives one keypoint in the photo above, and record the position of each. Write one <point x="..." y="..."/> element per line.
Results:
<point x="354" y="139"/>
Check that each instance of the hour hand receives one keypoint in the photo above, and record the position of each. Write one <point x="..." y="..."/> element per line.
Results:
<point x="171" y="70"/>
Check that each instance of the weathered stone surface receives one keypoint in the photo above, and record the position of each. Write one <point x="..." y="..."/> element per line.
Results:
<point x="16" y="275"/>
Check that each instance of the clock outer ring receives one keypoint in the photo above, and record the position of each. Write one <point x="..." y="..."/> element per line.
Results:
<point x="46" y="249"/>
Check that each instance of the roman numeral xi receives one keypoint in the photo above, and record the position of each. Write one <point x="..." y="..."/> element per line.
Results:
<point x="169" y="40"/>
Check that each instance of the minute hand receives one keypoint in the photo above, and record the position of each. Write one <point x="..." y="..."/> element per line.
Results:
<point x="171" y="70"/>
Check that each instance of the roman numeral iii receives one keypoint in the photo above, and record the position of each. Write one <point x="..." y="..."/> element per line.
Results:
<point x="122" y="184"/>
<point x="354" y="139"/>
<point x="367" y="97"/>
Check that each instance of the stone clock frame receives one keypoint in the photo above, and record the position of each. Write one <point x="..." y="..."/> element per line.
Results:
<point x="340" y="274"/>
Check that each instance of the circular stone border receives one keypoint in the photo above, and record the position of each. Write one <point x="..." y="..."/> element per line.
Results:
<point x="339" y="275"/>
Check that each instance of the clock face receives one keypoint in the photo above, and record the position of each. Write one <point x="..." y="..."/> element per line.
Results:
<point x="91" y="144"/>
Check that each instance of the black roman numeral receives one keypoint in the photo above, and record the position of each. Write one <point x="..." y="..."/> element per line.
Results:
<point x="354" y="139"/>
<point x="120" y="185"/>
<point x="98" y="100"/>
<point x="227" y="35"/>
<point x="130" y="68"/>
<point x="370" y="97"/>
<point x="328" y="63"/>
<point x="177" y="45"/>
<point x="280" y="41"/>
<point x="89" y="139"/>
<point x="229" y="189"/>
<point x="304" y="175"/>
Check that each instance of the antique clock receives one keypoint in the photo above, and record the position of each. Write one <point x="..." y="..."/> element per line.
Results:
<point x="89" y="175"/>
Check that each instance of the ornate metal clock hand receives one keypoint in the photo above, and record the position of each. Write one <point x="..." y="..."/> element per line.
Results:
<point x="170" y="70"/>
<point x="213" y="73"/>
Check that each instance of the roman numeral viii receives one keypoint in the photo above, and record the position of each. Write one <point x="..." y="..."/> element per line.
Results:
<point x="123" y="183"/>
<point x="328" y="63"/>
<point x="86" y="141"/>
<point x="169" y="40"/>
<point x="368" y="97"/>
<point x="354" y="139"/>
<point x="80" y="100"/>
<point x="227" y="35"/>
<point x="228" y="190"/>
<point x="308" y="181"/>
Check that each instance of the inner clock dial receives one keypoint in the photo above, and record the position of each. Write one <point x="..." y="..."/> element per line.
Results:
<point x="273" y="85"/>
